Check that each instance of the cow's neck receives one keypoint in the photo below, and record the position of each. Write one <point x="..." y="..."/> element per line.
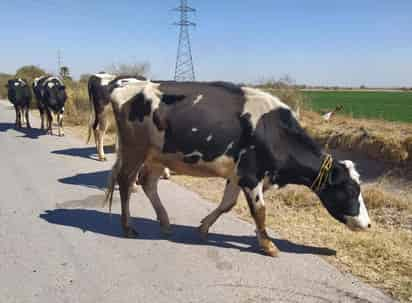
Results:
<point x="301" y="168"/>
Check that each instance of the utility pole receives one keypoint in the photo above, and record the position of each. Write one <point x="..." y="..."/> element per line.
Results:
<point x="184" y="70"/>
<point x="59" y="61"/>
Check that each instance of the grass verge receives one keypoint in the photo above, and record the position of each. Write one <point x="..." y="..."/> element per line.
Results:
<point x="380" y="257"/>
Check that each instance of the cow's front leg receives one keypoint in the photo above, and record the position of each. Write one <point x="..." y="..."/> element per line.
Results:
<point x="49" y="122"/>
<point x="257" y="207"/>
<point x="229" y="199"/>
<point x="27" y="117"/>
<point x="60" y="124"/>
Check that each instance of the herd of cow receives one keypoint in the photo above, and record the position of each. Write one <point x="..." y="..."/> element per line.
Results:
<point x="217" y="129"/>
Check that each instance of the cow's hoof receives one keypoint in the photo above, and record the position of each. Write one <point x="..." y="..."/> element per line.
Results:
<point x="130" y="233"/>
<point x="166" y="230"/>
<point x="134" y="188"/>
<point x="166" y="174"/>
<point x="102" y="158"/>
<point x="204" y="232"/>
<point x="271" y="250"/>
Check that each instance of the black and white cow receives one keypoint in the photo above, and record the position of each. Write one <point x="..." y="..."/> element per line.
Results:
<point x="19" y="94"/>
<point x="242" y="134"/>
<point x="38" y="93"/>
<point x="100" y="107"/>
<point x="51" y="96"/>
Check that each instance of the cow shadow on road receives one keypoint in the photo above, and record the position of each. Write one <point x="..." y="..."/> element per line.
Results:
<point x="88" y="220"/>
<point x="83" y="152"/>
<point x="31" y="133"/>
<point x="96" y="180"/>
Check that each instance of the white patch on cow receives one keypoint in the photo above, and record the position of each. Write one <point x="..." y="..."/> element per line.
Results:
<point x="195" y="153"/>
<point x="241" y="153"/>
<point x="124" y="93"/>
<point x="360" y="221"/>
<point x="16" y="84"/>
<point x="209" y="138"/>
<point x="105" y="78"/>
<point x="352" y="170"/>
<point x="36" y="80"/>
<point x="194" y="129"/>
<point x="258" y="191"/>
<point x="128" y="81"/>
<point x="197" y="100"/>
<point x="50" y="84"/>
<point x="229" y="147"/>
<point x="54" y="78"/>
<point x="259" y="103"/>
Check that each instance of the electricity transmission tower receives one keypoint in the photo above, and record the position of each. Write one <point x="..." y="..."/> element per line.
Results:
<point x="184" y="70"/>
<point x="59" y="61"/>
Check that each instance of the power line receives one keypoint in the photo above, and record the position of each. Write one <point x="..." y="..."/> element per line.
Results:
<point x="184" y="69"/>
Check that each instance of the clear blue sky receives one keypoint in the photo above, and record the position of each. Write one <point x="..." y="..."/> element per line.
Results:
<point x="328" y="42"/>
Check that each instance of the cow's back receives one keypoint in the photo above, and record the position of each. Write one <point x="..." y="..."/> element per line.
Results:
<point x="206" y="120"/>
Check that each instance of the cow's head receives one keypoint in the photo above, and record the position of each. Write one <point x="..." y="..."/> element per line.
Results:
<point x="17" y="88"/>
<point x="55" y="92"/>
<point x="342" y="197"/>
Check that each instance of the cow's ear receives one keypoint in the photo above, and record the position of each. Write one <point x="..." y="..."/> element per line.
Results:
<point x="336" y="175"/>
<point x="172" y="99"/>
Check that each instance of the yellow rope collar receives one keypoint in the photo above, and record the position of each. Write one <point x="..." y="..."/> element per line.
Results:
<point x="323" y="173"/>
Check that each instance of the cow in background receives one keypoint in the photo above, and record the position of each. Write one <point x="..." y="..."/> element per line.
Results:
<point x="38" y="93"/>
<point x="51" y="96"/>
<point x="99" y="109"/>
<point x="19" y="94"/>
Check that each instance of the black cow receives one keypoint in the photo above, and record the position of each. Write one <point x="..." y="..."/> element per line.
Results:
<point x="51" y="96"/>
<point x="242" y="134"/>
<point x="19" y="94"/>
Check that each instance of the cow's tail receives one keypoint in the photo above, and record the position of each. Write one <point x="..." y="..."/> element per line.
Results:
<point x="93" y="117"/>
<point x="112" y="183"/>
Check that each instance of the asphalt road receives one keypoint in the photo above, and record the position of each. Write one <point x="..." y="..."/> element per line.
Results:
<point x="58" y="245"/>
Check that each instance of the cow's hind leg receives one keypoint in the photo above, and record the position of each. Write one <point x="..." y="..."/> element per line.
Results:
<point x="27" y="111"/>
<point x="149" y="178"/>
<point x="99" y="134"/>
<point x="229" y="199"/>
<point x="257" y="207"/>
<point x="42" y="113"/>
<point x="17" y="116"/>
<point x="124" y="172"/>
<point x="49" y="122"/>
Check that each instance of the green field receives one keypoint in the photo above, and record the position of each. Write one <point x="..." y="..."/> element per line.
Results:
<point x="391" y="106"/>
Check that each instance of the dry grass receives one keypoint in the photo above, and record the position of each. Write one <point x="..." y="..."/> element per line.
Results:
<point x="381" y="257"/>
